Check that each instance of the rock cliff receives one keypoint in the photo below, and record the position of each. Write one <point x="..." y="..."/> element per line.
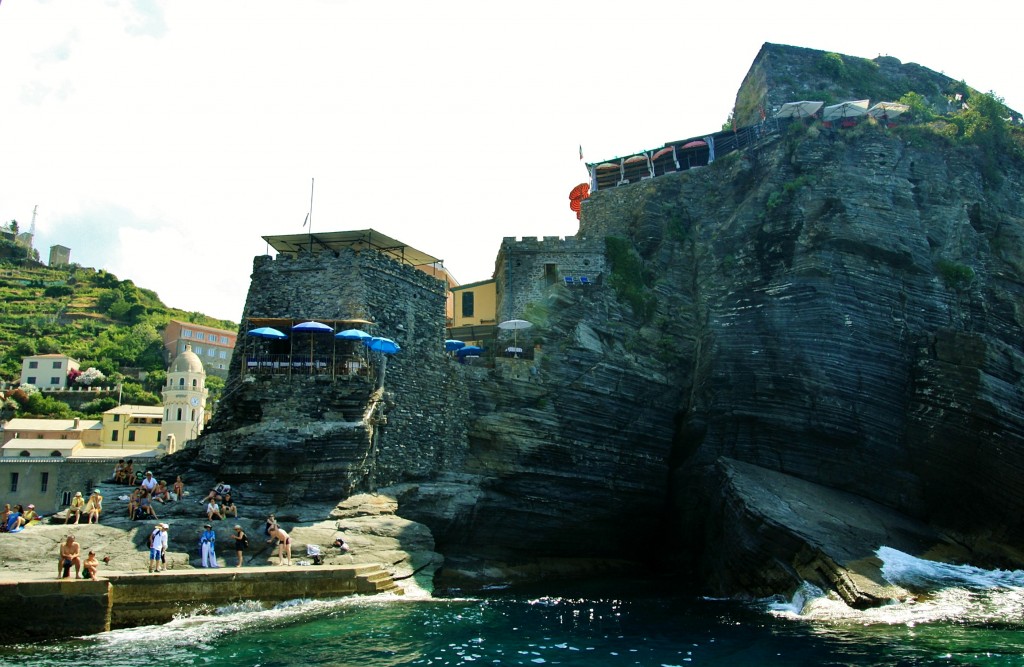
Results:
<point x="801" y="352"/>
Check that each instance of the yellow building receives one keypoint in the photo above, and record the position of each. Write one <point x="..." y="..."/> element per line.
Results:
<point x="45" y="461"/>
<point x="476" y="307"/>
<point x="132" y="427"/>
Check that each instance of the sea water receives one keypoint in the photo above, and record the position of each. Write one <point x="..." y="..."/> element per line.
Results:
<point x="968" y="617"/>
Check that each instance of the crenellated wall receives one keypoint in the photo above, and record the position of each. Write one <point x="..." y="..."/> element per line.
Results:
<point x="298" y="434"/>
<point x="526" y="268"/>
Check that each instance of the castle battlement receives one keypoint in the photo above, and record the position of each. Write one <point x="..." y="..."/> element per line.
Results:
<point x="510" y="244"/>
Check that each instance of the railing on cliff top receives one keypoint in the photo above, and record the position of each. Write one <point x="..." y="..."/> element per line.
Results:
<point x="677" y="156"/>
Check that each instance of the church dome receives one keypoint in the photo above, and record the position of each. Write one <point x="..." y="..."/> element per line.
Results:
<point x="187" y="362"/>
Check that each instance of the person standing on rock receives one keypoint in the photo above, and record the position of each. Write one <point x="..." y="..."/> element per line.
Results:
<point x="167" y="540"/>
<point x="284" y="544"/>
<point x="241" y="542"/>
<point x="156" y="547"/>
<point x="206" y="545"/>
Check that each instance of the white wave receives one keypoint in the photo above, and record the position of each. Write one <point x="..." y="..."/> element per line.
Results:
<point x="960" y="593"/>
<point x="906" y="570"/>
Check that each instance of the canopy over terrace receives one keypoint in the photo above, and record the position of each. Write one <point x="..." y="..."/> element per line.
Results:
<point x="264" y="356"/>
<point x="363" y="239"/>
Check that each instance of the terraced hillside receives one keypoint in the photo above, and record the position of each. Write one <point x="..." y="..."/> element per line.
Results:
<point x="104" y="322"/>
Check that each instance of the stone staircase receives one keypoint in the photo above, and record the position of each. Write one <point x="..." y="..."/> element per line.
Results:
<point x="373" y="579"/>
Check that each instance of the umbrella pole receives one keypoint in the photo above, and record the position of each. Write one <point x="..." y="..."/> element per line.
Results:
<point x="291" y="351"/>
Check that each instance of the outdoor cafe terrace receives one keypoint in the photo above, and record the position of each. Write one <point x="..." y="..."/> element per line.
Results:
<point x="330" y="348"/>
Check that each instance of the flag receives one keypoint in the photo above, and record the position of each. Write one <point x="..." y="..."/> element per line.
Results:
<point x="581" y="151"/>
<point x="307" y="215"/>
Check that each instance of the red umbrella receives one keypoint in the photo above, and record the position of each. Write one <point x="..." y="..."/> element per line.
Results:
<point x="697" y="143"/>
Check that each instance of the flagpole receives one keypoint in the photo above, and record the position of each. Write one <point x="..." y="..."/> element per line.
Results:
<point x="310" y="217"/>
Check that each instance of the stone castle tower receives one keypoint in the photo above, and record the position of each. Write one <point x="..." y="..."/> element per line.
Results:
<point x="184" y="398"/>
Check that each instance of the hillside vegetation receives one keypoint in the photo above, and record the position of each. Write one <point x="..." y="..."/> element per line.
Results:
<point x="105" y="323"/>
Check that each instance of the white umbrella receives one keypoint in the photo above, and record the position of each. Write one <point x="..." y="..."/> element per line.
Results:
<point x="801" y="109"/>
<point x="887" y="109"/>
<point x="845" y="110"/>
<point x="515" y="326"/>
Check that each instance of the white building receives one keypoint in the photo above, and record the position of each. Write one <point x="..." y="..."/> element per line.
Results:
<point x="47" y="371"/>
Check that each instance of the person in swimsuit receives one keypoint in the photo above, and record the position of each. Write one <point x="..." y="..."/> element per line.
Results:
<point x="70" y="554"/>
<point x="284" y="544"/>
<point x="90" y="566"/>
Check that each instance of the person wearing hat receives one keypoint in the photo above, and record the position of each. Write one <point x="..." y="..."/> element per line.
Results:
<point x="30" y="515"/>
<point x="77" y="504"/>
<point x="241" y="542"/>
<point x="156" y="547"/>
<point x="206" y="546"/>
<point x="148" y="482"/>
<point x="94" y="507"/>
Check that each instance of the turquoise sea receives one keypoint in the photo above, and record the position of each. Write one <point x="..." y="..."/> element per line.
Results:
<point x="970" y="617"/>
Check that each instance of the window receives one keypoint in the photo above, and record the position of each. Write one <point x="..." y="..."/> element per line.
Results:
<point x="467" y="304"/>
<point x="65" y="497"/>
<point x="200" y="335"/>
<point x="33" y="364"/>
<point x="14" y="482"/>
<point x="193" y="415"/>
<point x="210" y="352"/>
<point x="58" y="364"/>
<point x="195" y="383"/>
<point x="55" y="380"/>
<point x="113" y="435"/>
<point x="158" y="436"/>
<point x="179" y="414"/>
<point x="131" y="436"/>
<point x="24" y="452"/>
<point x="167" y="414"/>
<point x="44" y="481"/>
<point x="39" y="436"/>
<point x="198" y="349"/>
<point x="55" y="453"/>
<point x="223" y="354"/>
<point x="117" y="418"/>
<point x="31" y="379"/>
<point x="224" y="340"/>
<point x="186" y="333"/>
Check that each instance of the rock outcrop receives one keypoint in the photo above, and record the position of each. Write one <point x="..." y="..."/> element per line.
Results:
<point x="801" y="352"/>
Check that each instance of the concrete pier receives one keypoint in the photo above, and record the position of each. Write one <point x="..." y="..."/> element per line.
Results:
<point x="52" y="609"/>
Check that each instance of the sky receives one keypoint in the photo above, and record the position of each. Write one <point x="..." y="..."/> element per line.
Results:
<point x="161" y="140"/>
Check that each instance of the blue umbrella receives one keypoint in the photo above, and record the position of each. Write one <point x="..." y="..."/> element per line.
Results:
<point x="313" y="327"/>
<point x="452" y="345"/>
<point x="267" y="332"/>
<point x="385" y="345"/>
<point x="352" y="334"/>
<point x="469" y="350"/>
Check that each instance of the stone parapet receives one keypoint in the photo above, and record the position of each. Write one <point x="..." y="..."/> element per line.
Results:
<point x="68" y="608"/>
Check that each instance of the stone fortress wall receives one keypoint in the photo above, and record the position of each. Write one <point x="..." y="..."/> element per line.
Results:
<point x="303" y="443"/>
<point x="526" y="268"/>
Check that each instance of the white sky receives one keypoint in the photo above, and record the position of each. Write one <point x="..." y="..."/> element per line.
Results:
<point x="162" y="140"/>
